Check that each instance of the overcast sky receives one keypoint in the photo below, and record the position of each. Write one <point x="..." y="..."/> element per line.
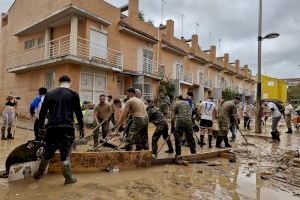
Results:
<point x="234" y="23"/>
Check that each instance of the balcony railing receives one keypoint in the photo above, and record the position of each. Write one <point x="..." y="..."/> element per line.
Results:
<point x="208" y="84"/>
<point x="185" y="77"/>
<point x="148" y="67"/>
<point x="247" y="92"/>
<point x="68" y="45"/>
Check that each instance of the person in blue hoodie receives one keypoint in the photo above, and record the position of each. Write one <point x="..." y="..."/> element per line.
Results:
<point x="35" y="108"/>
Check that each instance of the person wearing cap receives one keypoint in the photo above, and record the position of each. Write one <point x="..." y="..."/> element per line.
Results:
<point x="138" y="131"/>
<point x="162" y="129"/>
<point x="35" y="109"/>
<point x="275" y="113"/>
<point x="9" y="113"/>
<point x="228" y="111"/>
<point x="60" y="105"/>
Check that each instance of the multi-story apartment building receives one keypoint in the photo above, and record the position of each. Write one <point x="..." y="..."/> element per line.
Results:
<point x="105" y="51"/>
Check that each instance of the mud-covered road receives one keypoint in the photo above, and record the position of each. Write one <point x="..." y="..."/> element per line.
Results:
<point x="266" y="171"/>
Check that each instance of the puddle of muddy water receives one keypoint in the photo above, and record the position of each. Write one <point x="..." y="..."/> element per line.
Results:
<point x="197" y="181"/>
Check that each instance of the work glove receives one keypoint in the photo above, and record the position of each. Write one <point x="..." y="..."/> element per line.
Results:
<point x="172" y="129"/>
<point x="81" y="132"/>
<point x="42" y="133"/>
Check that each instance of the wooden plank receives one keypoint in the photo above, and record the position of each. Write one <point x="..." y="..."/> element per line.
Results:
<point x="191" y="158"/>
<point x="95" y="161"/>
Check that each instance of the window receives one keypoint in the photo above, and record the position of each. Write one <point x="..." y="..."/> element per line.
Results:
<point x="40" y="41"/>
<point x="161" y="71"/>
<point x="201" y="77"/>
<point x="29" y="44"/>
<point x="147" y="61"/>
<point x="91" y="86"/>
<point x="271" y="83"/>
<point x="179" y="69"/>
<point x="218" y="81"/>
<point x="49" y="80"/>
<point x="147" y="91"/>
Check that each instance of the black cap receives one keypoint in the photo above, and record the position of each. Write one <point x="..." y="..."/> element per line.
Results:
<point x="131" y="90"/>
<point x="64" y="78"/>
<point x="238" y="98"/>
<point x="42" y="91"/>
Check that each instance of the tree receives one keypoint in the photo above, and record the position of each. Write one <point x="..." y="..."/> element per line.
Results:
<point x="294" y="92"/>
<point x="141" y="15"/>
<point x="229" y="94"/>
<point x="170" y="88"/>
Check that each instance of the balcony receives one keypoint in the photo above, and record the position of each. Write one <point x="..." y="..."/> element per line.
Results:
<point x="148" y="68"/>
<point x="247" y="92"/>
<point x="71" y="49"/>
<point x="185" y="78"/>
<point x="208" y="84"/>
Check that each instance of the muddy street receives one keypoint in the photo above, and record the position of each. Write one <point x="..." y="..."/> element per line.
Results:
<point x="264" y="171"/>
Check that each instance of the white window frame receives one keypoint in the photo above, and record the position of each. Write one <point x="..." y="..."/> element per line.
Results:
<point x="52" y="74"/>
<point x="93" y="90"/>
<point x="179" y="68"/>
<point x="147" y="61"/>
<point x="148" y="94"/>
<point x="29" y="44"/>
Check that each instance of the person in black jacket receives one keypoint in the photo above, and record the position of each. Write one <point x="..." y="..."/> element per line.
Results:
<point x="60" y="105"/>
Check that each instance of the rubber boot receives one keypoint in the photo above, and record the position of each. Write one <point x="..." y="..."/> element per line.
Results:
<point x="9" y="135"/>
<point x="96" y="139"/>
<point x="67" y="172"/>
<point x="169" y="143"/>
<point x="273" y="135"/>
<point x="225" y="138"/>
<point x="202" y="140"/>
<point x="277" y="136"/>
<point x="3" y="133"/>
<point x="289" y="131"/>
<point x="219" y="141"/>
<point x="43" y="166"/>
<point x="209" y="141"/>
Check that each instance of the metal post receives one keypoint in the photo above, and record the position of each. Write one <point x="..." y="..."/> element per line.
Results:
<point x="258" y="96"/>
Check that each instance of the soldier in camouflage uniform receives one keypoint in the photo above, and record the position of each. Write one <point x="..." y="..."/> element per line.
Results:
<point x="227" y="112"/>
<point x="158" y="119"/>
<point x="182" y="116"/>
<point x="163" y="101"/>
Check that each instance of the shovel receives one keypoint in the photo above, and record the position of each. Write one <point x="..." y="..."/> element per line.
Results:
<point x="245" y="138"/>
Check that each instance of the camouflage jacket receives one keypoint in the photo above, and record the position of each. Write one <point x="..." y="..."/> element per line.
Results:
<point x="163" y="103"/>
<point x="228" y="111"/>
<point x="181" y="111"/>
<point x="156" y="116"/>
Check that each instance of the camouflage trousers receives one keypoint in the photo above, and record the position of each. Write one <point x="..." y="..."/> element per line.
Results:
<point x="224" y="127"/>
<point x="138" y="134"/>
<point x="59" y="138"/>
<point x="184" y="127"/>
<point x="161" y="130"/>
<point x="97" y="133"/>
<point x="288" y="118"/>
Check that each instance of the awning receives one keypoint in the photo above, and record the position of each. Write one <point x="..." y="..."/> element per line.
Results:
<point x="59" y="17"/>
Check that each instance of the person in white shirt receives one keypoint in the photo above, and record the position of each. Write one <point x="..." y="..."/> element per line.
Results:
<point x="207" y="110"/>
<point x="276" y="116"/>
<point x="247" y="113"/>
<point x="288" y="116"/>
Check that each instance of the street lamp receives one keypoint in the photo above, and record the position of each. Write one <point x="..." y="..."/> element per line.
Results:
<point x="258" y="90"/>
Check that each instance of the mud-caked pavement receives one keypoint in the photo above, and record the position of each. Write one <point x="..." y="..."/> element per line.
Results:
<point x="268" y="170"/>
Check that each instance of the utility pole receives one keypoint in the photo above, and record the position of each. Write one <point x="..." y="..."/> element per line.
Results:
<point x="182" y="17"/>
<point x="258" y="95"/>
<point x="220" y="46"/>
<point x="162" y="11"/>
<point x="197" y="25"/>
